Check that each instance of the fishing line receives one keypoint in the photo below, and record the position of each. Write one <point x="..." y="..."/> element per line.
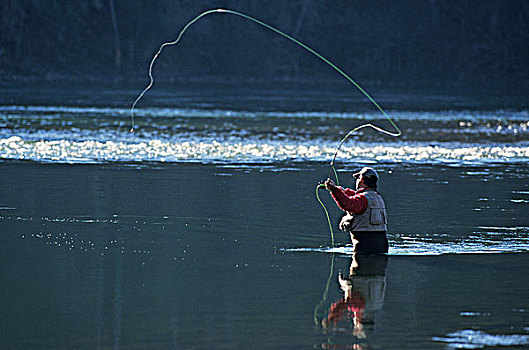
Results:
<point x="326" y="212"/>
<point x="277" y="31"/>
<point x="329" y="63"/>
<point x="316" y="313"/>
<point x="304" y="46"/>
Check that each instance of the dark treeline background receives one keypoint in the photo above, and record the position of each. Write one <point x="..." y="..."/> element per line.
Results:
<point x="382" y="42"/>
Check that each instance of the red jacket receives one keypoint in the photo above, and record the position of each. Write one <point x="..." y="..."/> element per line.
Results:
<point x="353" y="202"/>
<point x="350" y="308"/>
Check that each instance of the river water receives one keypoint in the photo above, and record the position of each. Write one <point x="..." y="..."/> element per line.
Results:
<point x="202" y="230"/>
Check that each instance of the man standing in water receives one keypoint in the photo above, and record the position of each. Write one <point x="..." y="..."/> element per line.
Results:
<point x="366" y="218"/>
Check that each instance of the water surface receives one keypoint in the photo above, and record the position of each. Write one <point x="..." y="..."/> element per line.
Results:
<point x="202" y="256"/>
<point x="201" y="230"/>
<point x="256" y="124"/>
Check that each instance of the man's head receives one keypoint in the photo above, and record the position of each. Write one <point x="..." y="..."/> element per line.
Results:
<point x="367" y="177"/>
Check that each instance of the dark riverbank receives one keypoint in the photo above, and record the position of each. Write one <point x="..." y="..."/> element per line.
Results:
<point x="392" y="43"/>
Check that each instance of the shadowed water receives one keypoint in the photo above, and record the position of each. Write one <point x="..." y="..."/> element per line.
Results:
<point x="198" y="256"/>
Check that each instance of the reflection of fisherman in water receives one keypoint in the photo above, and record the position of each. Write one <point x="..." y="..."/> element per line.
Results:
<point x="363" y="290"/>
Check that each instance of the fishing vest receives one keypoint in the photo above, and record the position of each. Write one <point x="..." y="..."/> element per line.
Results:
<point x="374" y="218"/>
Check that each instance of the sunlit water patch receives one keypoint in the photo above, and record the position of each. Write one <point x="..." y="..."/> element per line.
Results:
<point x="476" y="339"/>
<point x="488" y="240"/>
<point x="253" y="151"/>
<point x="118" y="233"/>
<point x="97" y="134"/>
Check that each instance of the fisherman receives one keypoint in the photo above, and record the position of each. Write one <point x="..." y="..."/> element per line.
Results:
<point x="365" y="218"/>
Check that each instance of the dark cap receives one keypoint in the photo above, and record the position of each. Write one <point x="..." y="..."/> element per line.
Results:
<point x="367" y="172"/>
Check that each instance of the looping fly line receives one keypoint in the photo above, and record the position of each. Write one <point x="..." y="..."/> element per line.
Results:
<point x="395" y="133"/>
<point x="299" y="43"/>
